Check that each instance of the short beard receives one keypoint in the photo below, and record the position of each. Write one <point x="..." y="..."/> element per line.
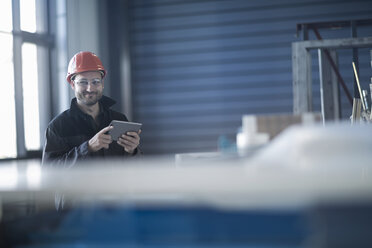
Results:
<point x="89" y="102"/>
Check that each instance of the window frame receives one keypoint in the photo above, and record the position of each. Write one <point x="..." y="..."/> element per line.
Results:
<point x="44" y="41"/>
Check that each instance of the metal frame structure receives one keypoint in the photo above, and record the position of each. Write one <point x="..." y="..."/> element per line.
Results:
<point x="328" y="69"/>
<point x="352" y="24"/>
<point x="302" y="81"/>
<point x="18" y="91"/>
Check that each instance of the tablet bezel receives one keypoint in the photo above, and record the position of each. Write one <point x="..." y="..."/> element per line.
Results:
<point x="122" y="127"/>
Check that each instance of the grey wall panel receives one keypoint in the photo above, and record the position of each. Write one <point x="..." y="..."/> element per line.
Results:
<point x="198" y="66"/>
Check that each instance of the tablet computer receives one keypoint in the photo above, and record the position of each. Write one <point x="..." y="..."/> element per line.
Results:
<point x="122" y="127"/>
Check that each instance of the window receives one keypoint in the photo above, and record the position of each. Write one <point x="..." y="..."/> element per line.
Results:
<point x="30" y="96"/>
<point x="23" y="42"/>
<point x="6" y="16"/>
<point x="8" y="146"/>
<point x="28" y="15"/>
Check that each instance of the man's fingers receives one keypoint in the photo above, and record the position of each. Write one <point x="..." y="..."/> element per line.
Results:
<point x="128" y="142"/>
<point x="134" y="134"/>
<point x="106" y="142"/>
<point x="103" y="140"/>
<point x="106" y="129"/>
<point x="121" y="140"/>
<point x="106" y="136"/>
<point x="131" y="136"/>
<point x="127" y="137"/>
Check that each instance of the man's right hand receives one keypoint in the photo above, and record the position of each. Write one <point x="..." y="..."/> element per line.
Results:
<point x="100" y="140"/>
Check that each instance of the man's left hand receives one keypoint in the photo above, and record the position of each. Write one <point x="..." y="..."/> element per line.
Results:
<point x="129" y="141"/>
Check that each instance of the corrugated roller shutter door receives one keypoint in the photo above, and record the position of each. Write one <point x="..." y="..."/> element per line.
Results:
<point x="198" y="66"/>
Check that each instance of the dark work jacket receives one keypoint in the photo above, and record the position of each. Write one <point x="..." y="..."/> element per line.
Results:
<point x="68" y="134"/>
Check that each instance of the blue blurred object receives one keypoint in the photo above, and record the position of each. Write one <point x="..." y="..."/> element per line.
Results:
<point x="158" y="227"/>
<point x="225" y="145"/>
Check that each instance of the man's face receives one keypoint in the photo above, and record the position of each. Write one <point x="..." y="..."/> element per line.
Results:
<point x="88" y="87"/>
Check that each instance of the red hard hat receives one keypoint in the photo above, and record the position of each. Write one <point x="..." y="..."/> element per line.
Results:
<point x="82" y="62"/>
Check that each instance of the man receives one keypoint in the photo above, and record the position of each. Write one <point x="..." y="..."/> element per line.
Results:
<point x="80" y="132"/>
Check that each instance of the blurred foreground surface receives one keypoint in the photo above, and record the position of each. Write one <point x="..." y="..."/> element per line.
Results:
<point x="310" y="187"/>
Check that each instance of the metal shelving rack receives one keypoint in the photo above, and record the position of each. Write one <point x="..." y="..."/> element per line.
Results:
<point x="330" y="77"/>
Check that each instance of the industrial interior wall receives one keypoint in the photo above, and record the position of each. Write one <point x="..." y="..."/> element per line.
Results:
<point x="198" y="66"/>
<point x="82" y="30"/>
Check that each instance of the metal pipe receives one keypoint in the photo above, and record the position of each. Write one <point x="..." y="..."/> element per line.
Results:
<point x="334" y="67"/>
<point x="355" y="58"/>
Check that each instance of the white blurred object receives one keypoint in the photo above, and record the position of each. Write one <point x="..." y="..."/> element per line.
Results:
<point x="316" y="146"/>
<point x="249" y="138"/>
<point x="258" y="130"/>
<point x="8" y="176"/>
<point x="309" y="118"/>
<point x="187" y="158"/>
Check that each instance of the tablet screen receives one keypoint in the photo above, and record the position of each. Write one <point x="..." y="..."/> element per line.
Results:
<point x="122" y="127"/>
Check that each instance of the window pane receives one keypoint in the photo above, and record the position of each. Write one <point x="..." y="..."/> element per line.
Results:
<point x="8" y="141"/>
<point x="30" y="96"/>
<point x="28" y="15"/>
<point x="6" y="15"/>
